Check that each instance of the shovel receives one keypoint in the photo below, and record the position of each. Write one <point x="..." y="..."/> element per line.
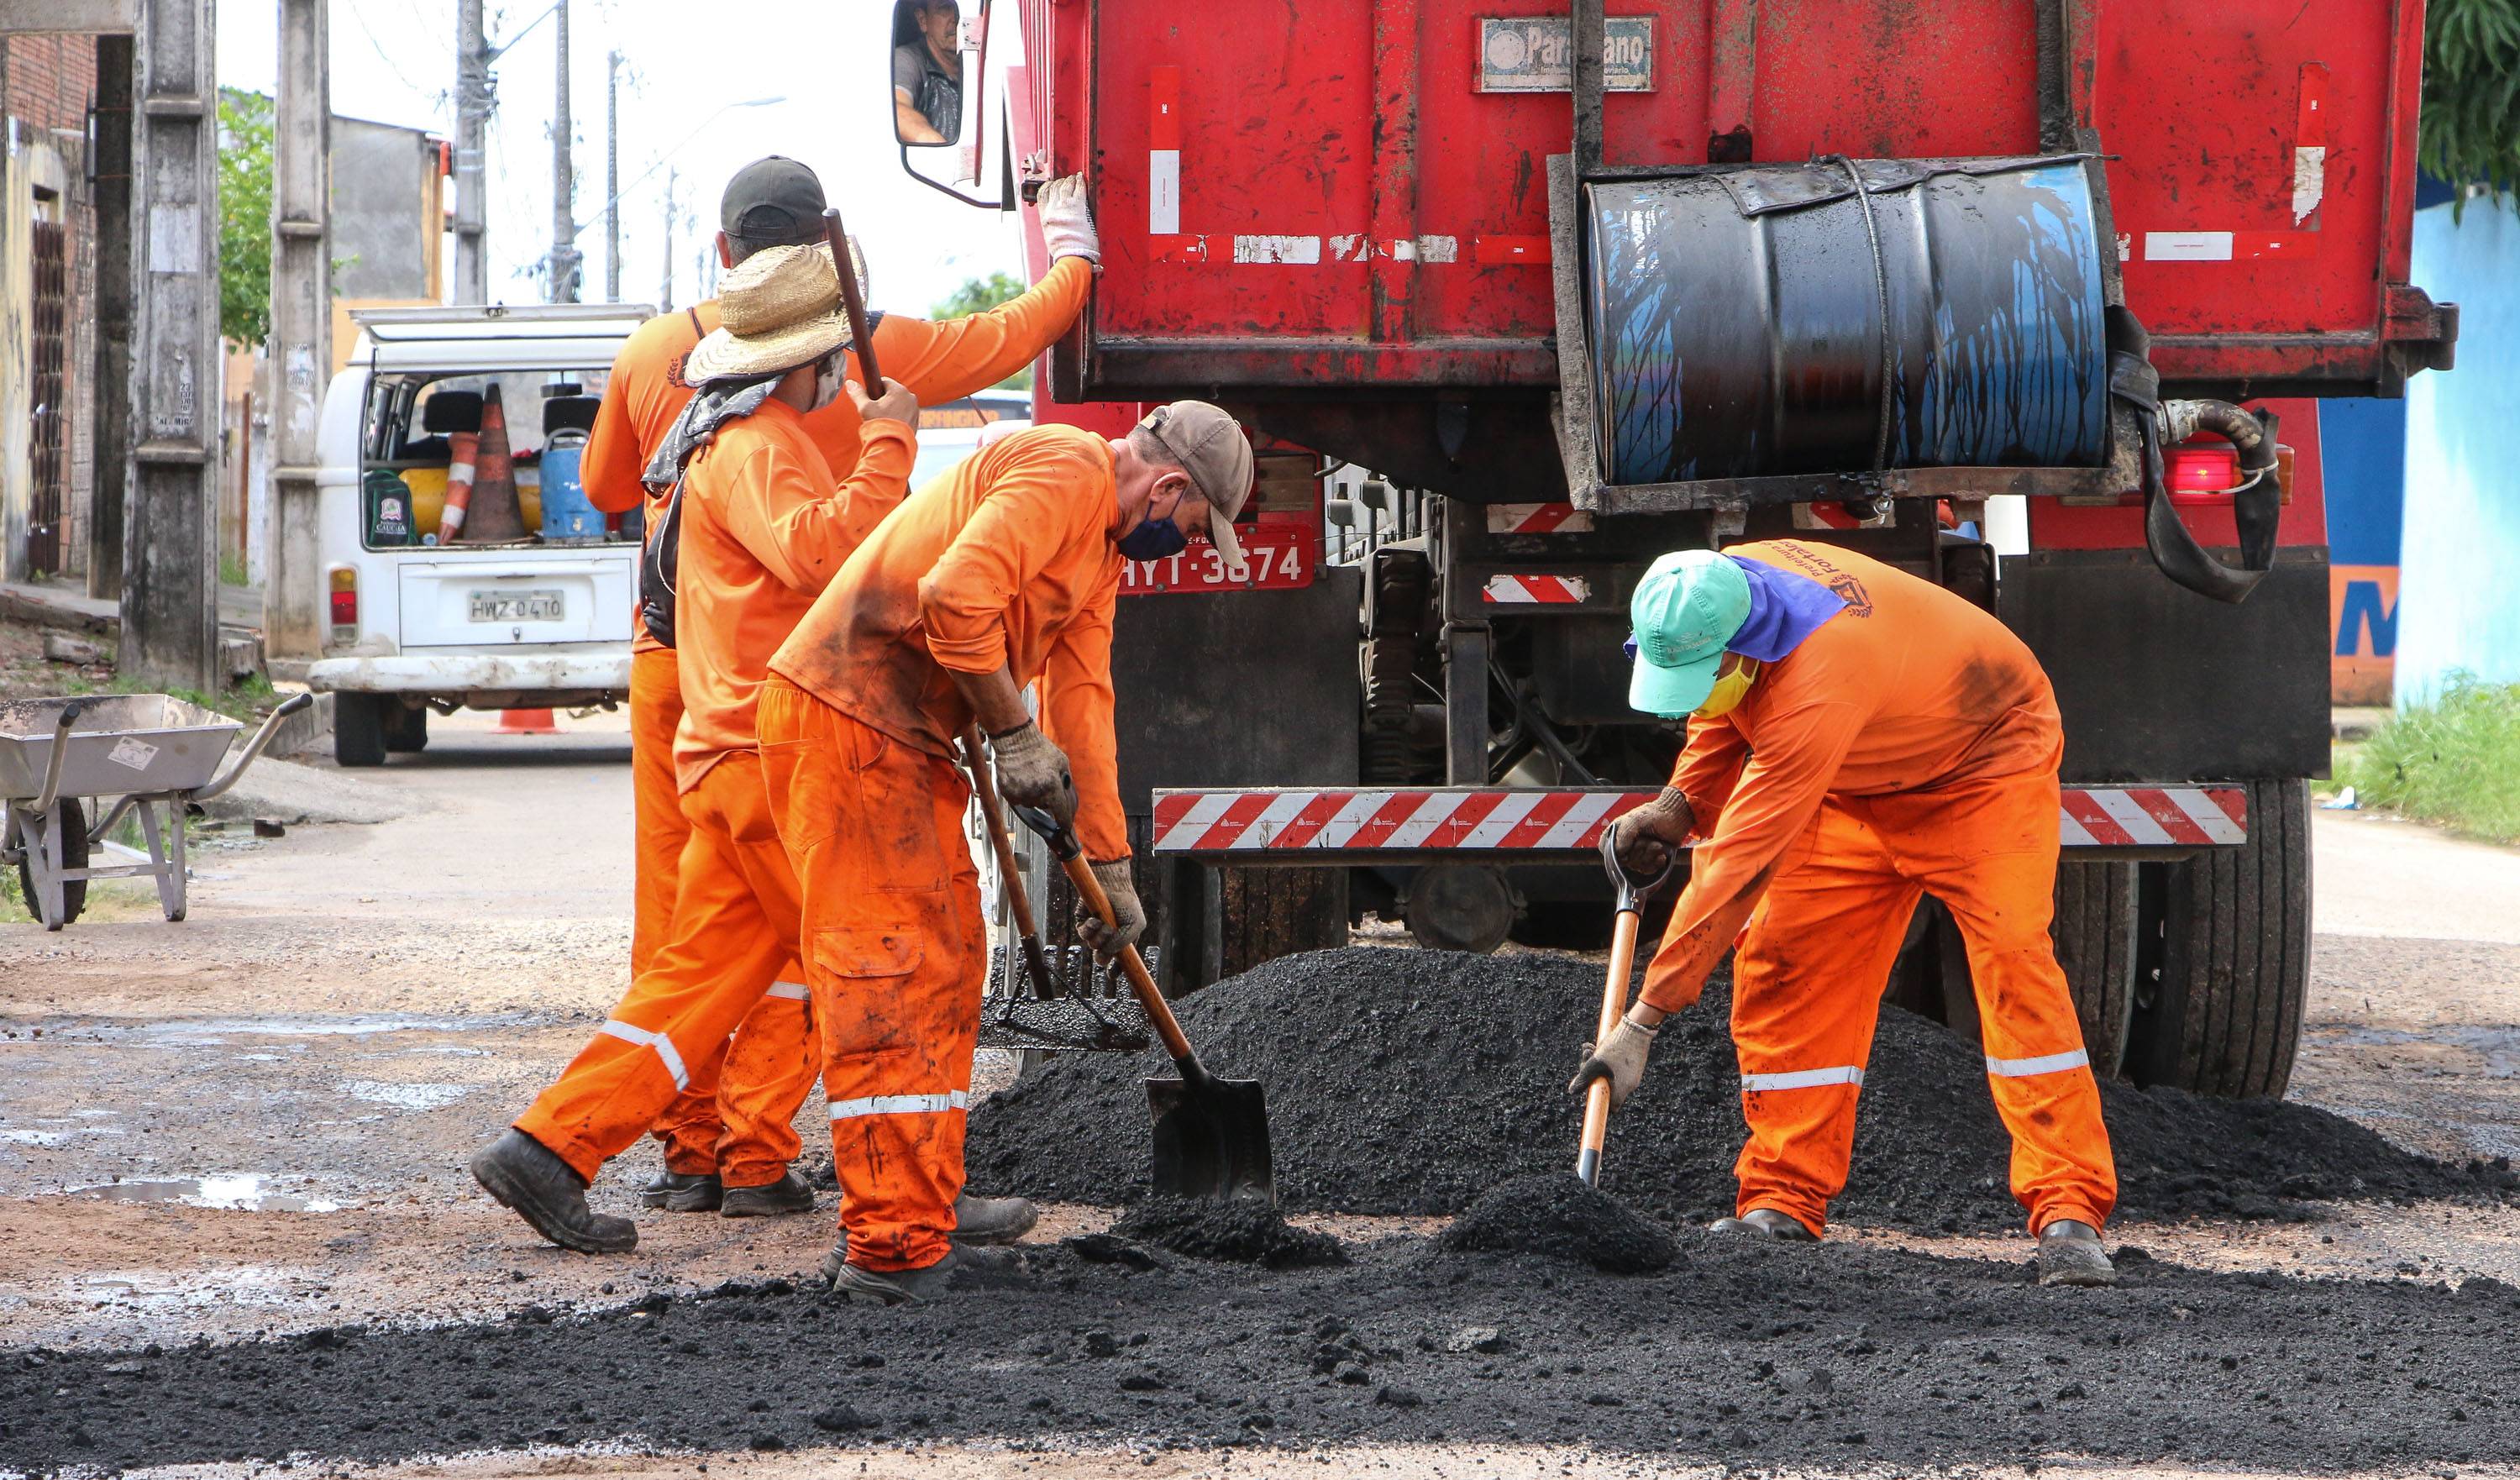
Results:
<point x="1211" y="1134"/>
<point x="985" y="787"/>
<point x="1614" y="1000"/>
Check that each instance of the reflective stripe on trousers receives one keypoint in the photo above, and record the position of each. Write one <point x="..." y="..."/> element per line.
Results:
<point x="1807" y="1079"/>
<point x="2045" y="1063"/>
<point x="666" y="1053"/>
<point x="901" y="1104"/>
<point x="794" y="991"/>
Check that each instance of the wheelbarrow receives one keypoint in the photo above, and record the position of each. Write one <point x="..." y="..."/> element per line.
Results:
<point x="155" y="754"/>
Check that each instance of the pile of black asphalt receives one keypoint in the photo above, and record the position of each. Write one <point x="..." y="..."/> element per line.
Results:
<point x="1740" y="1350"/>
<point x="1413" y="1081"/>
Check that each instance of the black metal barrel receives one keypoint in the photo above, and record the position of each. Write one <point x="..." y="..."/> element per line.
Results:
<point x="1735" y="319"/>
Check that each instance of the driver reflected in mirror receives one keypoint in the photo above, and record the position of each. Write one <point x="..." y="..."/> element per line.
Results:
<point x="926" y="72"/>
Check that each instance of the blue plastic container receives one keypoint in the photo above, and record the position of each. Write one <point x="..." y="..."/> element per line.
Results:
<point x="567" y="514"/>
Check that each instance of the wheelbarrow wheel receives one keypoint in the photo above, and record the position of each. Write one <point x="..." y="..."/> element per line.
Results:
<point x="71" y="818"/>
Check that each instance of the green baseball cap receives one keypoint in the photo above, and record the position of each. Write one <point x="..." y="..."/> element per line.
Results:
<point x="1689" y="606"/>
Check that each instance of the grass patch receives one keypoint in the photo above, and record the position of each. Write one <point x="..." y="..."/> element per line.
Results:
<point x="248" y="702"/>
<point x="232" y="569"/>
<point x="2454" y="761"/>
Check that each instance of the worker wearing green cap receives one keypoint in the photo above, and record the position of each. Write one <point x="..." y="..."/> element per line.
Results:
<point x="1857" y="738"/>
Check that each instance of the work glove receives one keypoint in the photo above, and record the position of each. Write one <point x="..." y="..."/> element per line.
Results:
<point x="1129" y="915"/>
<point x="1621" y="1060"/>
<point x="1033" y="773"/>
<point x="1067" y="220"/>
<point x="1642" y="840"/>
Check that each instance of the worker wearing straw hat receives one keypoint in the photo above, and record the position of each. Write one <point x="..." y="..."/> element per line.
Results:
<point x="1859" y="737"/>
<point x="774" y="201"/>
<point x="759" y="529"/>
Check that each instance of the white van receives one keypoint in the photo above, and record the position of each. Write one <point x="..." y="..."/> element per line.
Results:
<point x="538" y="621"/>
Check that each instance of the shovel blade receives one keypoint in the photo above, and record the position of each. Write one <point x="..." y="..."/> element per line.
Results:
<point x="1212" y="1139"/>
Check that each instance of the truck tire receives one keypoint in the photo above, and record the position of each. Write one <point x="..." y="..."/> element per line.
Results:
<point x="358" y="730"/>
<point x="405" y="729"/>
<point x="2222" y="1013"/>
<point x="2095" y="931"/>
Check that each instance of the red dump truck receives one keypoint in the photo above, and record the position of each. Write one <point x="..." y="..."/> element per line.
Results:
<point x="2034" y="298"/>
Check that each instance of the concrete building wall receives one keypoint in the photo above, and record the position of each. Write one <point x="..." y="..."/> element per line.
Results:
<point x="2459" y="610"/>
<point x="47" y="83"/>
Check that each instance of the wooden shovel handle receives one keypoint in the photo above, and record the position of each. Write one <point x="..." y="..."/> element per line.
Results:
<point x="1614" y="1003"/>
<point x="984" y="785"/>
<point x="1158" y="1011"/>
<point x="847" y="266"/>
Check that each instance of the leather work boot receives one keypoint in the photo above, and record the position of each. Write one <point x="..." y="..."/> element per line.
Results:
<point x="788" y="1194"/>
<point x="890" y="1288"/>
<point x="978" y="1222"/>
<point x="683" y="1192"/>
<point x="2070" y="1253"/>
<point x="1766" y="1223"/>
<point x="525" y="1176"/>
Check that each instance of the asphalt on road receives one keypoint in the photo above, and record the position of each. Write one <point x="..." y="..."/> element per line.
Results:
<point x="351" y="1010"/>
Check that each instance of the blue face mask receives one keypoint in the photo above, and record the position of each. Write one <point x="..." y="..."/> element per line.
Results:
<point x="1155" y="539"/>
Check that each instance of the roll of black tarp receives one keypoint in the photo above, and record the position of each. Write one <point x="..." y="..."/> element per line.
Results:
<point x="1735" y="319"/>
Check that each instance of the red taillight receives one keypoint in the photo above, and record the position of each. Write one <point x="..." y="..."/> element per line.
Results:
<point x="2201" y="469"/>
<point x="345" y="601"/>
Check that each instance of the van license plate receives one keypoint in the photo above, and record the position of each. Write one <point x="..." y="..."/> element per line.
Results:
<point x="515" y="606"/>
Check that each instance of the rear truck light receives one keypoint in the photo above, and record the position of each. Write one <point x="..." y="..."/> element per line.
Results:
<point x="345" y="602"/>
<point x="2203" y="475"/>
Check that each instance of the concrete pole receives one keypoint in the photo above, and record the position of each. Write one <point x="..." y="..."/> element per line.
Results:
<point x="301" y="325"/>
<point x="474" y="101"/>
<point x="117" y="293"/>
<point x="613" y="178"/>
<point x="170" y="556"/>
<point x="665" y="294"/>
<point x="563" y="251"/>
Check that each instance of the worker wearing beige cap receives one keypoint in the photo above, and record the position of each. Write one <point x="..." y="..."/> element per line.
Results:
<point x="1000" y="574"/>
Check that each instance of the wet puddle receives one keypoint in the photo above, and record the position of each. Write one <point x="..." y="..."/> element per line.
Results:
<point x="201" y="1032"/>
<point x="246" y="1193"/>
<point x="406" y="1096"/>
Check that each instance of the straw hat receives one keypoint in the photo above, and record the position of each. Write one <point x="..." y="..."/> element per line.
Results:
<point x="777" y="309"/>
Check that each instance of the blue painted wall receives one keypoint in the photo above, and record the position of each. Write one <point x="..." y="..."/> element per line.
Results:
<point x="2460" y="565"/>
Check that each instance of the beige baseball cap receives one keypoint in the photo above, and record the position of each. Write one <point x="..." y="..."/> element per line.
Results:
<point x="1211" y="447"/>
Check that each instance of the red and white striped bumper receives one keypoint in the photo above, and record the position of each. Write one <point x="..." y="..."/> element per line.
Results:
<point x="1306" y="826"/>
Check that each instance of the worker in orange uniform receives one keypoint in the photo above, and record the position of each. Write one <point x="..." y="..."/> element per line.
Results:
<point x="1862" y="738"/>
<point x="773" y="201"/>
<point x="1000" y="574"/>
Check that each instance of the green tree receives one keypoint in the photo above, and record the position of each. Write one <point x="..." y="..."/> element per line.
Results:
<point x="980" y="295"/>
<point x="977" y="296"/>
<point x="2470" y="130"/>
<point x="244" y="217"/>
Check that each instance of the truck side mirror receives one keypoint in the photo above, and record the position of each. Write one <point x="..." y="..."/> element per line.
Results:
<point x="937" y="66"/>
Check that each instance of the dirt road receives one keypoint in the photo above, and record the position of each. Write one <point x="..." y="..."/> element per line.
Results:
<point x="285" y="1087"/>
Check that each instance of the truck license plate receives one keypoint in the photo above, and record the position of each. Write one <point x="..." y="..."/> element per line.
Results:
<point x="515" y="606"/>
<point x="1281" y="558"/>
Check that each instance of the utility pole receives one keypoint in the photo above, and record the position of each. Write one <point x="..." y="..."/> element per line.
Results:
<point x="563" y="252"/>
<point x="613" y="178"/>
<point x="301" y="324"/>
<point x="665" y="294"/>
<point x="474" y="101"/>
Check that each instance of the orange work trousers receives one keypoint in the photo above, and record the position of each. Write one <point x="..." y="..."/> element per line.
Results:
<point x="734" y="927"/>
<point x="894" y="953"/>
<point x="738" y="1117"/>
<point x="1809" y="973"/>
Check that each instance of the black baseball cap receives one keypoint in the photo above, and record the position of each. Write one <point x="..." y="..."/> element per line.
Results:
<point x="774" y="201"/>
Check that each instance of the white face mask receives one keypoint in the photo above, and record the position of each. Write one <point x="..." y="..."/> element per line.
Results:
<point x="827" y="379"/>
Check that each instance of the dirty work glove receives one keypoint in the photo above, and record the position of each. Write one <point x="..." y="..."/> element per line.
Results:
<point x="1643" y="839"/>
<point x="1033" y="773"/>
<point x="1621" y="1060"/>
<point x="1067" y="220"/>
<point x="1106" y="940"/>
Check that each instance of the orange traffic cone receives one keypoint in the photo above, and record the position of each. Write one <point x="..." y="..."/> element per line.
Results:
<point x="525" y="722"/>
<point x="496" y="517"/>
<point x="462" y="448"/>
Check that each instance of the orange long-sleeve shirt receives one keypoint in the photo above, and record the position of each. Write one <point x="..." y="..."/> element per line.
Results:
<point x="764" y="530"/>
<point x="934" y="362"/>
<point x="1911" y="689"/>
<point x="1005" y="560"/>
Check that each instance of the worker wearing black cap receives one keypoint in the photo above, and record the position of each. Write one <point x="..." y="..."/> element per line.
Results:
<point x="729" y="1135"/>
